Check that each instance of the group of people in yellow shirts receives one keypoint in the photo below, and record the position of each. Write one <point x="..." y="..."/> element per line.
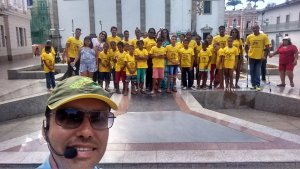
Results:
<point x="134" y="60"/>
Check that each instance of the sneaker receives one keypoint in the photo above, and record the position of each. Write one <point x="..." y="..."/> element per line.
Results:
<point x="184" y="88"/>
<point x="159" y="91"/>
<point x="258" y="88"/>
<point x="152" y="92"/>
<point x="253" y="88"/>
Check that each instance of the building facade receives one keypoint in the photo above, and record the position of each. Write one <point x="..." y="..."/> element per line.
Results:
<point x="15" y="34"/>
<point x="92" y="16"/>
<point x="282" y="20"/>
<point x="242" y="20"/>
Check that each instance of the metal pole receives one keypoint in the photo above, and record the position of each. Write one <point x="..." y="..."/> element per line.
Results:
<point x="73" y="27"/>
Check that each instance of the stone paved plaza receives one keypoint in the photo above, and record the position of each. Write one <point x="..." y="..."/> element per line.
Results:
<point x="168" y="130"/>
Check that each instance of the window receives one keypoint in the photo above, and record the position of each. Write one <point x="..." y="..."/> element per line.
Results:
<point x="278" y="20"/>
<point x="21" y="36"/>
<point x="207" y="7"/>
<point x="17" y="33"/>
<point x="225" y="24"/>
<point x="2" y="35"/>
<point x="25" y="37"/>
<point x="287" y="18"/>
<point x="248" y="24"/>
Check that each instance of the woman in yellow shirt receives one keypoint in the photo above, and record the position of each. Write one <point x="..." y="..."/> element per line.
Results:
<point x="149" y="42"/>
<point x="230" y="54"/>
<point x="237" y="42"/>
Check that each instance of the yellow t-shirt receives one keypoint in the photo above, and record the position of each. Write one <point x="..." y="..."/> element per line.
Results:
<point x="257" y="45"/>
<point x="172" y="54"/>
<point x="115" y="39"/>
<point x="131" y="64"/>
<point x="104" y="63"/>
<point x="237" y="44"/>
<point x="49" y="59"/>
<point x="149" y="43"/>
<point x="158" y="62"/>
<point x="52" y="51"/>
<point x="198" y="48"/>
<point x="112" y="55"/>
<point x="192" y="44"/>
<point x="179" y="45"/>
<point x="74" y="45"/>
<point x="222" y="40"/>
<point x="218" y="59"/>
<point x="186" y="57"/>
<point x="142" y="53"/>
<point x="204" y="57"/>
<point x="120" y="61"/>
<point x="229" y="56"/>
<point x="133" y="41"/>
<point x="129" y="42"/>
<point x="213" y="55"/>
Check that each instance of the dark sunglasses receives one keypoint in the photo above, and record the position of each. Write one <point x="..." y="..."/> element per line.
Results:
<point x="71" y="118"/>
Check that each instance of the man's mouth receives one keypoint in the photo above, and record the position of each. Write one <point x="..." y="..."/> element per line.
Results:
<point x="82" y="149"/>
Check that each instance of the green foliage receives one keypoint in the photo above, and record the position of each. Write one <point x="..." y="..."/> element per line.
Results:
<point x="255" y="1"/>
<point x="233" y="3"/>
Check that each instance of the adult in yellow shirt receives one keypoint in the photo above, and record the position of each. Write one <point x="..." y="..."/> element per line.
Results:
<point x="203" y="64"/>
<point x="149" y="42"/>
<point x="221" y="38"/>
<point x="48" y="62"/>
<point x="141" y="56"/>
<point x="257" y="49"/>
<point x="230" y="56"/>
<point x="186" y="60"/>
<point x="237" y="42"/>
<point x="126" y="39"/>
<point x="131" y="71"/>
<point x="71" y="51"/>
<point x="173" y="61"/>
<point x="104" y="67"/>
<point x="138" y="36"/>
<point x="113" y="36"/>
<point x="158" y="55"/>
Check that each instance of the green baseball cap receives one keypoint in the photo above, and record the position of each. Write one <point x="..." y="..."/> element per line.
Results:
<point x="78" y="87"/>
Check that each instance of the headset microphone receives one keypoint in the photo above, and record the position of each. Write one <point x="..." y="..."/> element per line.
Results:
<point x="69" y="153"/>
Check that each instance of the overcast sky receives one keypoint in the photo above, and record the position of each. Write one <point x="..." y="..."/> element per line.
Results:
<point x="260" y="4"/>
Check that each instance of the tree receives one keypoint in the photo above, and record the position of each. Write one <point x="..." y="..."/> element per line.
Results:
<point x="270" y="5"/>
<point x="233" y="3"/>
<point x="255" y="1"/>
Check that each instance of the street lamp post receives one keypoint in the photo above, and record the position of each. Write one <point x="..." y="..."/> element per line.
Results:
<point x="58" y="39"/>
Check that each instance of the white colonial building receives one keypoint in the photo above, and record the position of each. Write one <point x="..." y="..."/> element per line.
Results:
<point x="15" y="34"/>
<point x="92" y="16"/>
<point x="282" y="20"/>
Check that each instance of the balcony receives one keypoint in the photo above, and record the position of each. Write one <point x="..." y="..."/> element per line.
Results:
<point x="290" y="26"/>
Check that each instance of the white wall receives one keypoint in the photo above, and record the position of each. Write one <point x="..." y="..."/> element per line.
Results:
<point x="106" y="12"/>
<point x="155" y="14"/>
<point x="180" y="15"/>
<point x="130" y="16"/>
<point x="76" y="10"/>
<point x="293" y="11"/>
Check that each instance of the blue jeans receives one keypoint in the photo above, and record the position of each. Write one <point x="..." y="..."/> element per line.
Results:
<point x="50" y="80"/>
<point x="255" y="70"/>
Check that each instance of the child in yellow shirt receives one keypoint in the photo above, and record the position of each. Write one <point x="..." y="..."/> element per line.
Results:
<point x="203" y="64"/>
<point x="141" y="56"/>
<point x="120" y="67"/>
<point x="131" y="71"/>
<point x="172" y="55"/>
<point x="112" y="53"/>
<point x="230" y="54"/>
<point x="104" y="67"/>
<point x="186" y="60"/>
<point x="158" y="55"/>
<point x="48" y="63"/>
<point x="219" y="78"/>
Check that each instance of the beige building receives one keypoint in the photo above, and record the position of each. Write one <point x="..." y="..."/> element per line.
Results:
<point x="15" y="34"/>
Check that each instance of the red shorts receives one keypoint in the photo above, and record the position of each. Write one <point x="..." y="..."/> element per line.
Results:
<point x="286" y="67"/>
<point x="119" y="75"/>
<point x="158" y="73"/>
